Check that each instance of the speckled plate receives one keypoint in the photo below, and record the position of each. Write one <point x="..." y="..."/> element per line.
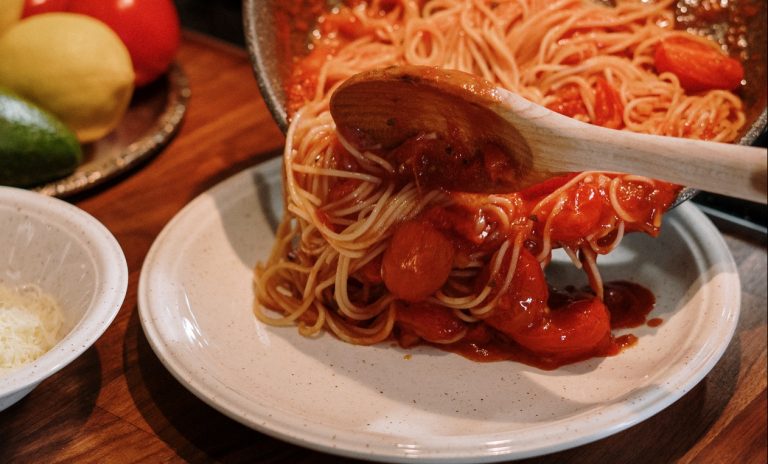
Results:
<point x="378" y="403"/>
<point x="152" y="119"/>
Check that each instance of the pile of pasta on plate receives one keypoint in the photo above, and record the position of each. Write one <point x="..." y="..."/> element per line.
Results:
<point x="373" y="246"/>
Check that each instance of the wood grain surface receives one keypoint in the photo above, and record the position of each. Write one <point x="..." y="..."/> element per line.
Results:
<point x="117" y="403"/>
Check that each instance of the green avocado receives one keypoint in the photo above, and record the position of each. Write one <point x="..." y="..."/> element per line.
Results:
<point x="35" y="147"/>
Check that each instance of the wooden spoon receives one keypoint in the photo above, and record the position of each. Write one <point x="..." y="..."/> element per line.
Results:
<point x="384" y="108"/>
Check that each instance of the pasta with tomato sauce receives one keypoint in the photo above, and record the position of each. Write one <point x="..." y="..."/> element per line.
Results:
<point x="382" y="245"/>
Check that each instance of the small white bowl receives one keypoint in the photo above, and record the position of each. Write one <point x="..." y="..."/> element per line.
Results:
<point x="70" y="256"/>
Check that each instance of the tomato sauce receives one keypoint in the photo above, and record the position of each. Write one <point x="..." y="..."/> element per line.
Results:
<point x="655" y="322"/>
<point x="485" y="344"/>
<point x="530" y="323"/>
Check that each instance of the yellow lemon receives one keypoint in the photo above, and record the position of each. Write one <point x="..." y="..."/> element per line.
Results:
<point x="74" y="66"/>
<point x="10" y="12"/>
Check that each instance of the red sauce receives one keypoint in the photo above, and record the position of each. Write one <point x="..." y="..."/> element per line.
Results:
<point x="485" y="344"/>
<point x="293" y="22"/>
<point x="655" y="322"/>
<point x="529" y="323"/>
<point x="629" y="303"/>
<point x="625" y="341"/>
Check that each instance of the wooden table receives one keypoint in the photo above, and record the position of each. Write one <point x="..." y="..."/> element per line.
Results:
<point x="117" y="403"/>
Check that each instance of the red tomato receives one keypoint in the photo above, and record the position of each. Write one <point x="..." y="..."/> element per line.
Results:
<point x="609" y="111"/>
<point x="697" y="66"/>
<point x="636" y="198"/>
<point x="525" y="302"/>
<point x="433" y="323"/>
<point x="568" y="101"/>
<point x="417" y="262"/>
<point x="580" y="329"/>
<point x="149" y="29"/>
<point x="580" y="215"/>
<point x="33" y="7"/>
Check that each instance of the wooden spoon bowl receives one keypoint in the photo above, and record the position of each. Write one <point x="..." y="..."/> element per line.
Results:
<point x="383" y="108"/>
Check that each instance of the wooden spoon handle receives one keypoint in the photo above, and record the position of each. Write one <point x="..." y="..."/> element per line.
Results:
<point x="733" y="170"/>
<point x="561" y="144"/>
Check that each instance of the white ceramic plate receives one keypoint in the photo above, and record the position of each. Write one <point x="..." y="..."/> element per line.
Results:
<point x="195" y="298"/>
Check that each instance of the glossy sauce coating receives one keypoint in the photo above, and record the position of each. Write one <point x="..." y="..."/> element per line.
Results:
<point x="484" y="344"/>
<point x="530" y="323"/>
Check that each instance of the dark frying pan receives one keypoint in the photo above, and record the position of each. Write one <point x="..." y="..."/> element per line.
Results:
<point x="276" y="31"/>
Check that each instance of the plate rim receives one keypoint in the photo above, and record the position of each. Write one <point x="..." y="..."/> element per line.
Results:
<point x="282" y="429"/>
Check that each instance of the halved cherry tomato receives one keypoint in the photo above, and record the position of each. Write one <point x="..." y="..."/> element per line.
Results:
<point x="417" y="262"/>
<point x="580" y="215"/>
<point x="697" y="66"/>
<point x="637" y="199"/>
<point x="580" y="329"/>
<point x="568" y="101"/>
<point x="609" y="111"/>
<point x="524" y="303"/>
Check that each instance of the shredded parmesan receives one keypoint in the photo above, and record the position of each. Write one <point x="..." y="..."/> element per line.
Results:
<point x="30" y="322"/>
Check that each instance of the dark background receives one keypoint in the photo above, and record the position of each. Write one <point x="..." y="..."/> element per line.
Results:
<point x="220" y="18"/>
<point x="223" y="19"/>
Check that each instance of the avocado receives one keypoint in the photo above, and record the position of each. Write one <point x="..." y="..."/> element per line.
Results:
<point x="35" y="147"/>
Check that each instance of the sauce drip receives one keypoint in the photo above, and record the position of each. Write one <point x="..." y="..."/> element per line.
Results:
<point x="629" y="302"/>
<point x="529" y="323"/>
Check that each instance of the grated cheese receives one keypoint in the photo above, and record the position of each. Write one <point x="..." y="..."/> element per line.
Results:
<point x="30" y="322"/>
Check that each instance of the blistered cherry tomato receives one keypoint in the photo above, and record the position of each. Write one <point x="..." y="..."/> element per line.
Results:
<point x="524" y="303"/>
<point x="609" y="111"/>
<point x="568" y="101"/>
<point x="698" y="66"/>
<point x="579" y="216"/>
<point x="417" y="262"/>
<point x="579" y="329"/>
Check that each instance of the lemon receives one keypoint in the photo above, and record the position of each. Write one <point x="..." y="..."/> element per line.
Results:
<point x="10" y="12"/>
<point x="74" y="66"/>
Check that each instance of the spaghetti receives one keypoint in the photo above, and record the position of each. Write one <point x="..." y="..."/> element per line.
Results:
<point x="370" y="251"/>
